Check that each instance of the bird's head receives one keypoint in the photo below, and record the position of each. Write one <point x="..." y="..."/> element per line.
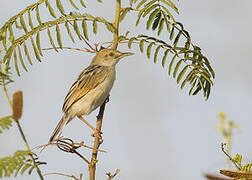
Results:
<point x="109" y="57"/>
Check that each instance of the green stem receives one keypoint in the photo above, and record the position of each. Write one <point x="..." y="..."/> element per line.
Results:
<point x="21" y="131"/>
<point x="116" y="24"/>
<point x="29" y="149"/>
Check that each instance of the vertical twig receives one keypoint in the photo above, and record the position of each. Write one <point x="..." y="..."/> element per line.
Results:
<point x="97" y="143"/>
<point x="116" y="24"/>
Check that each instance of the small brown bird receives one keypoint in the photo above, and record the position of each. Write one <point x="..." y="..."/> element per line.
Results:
<point x="91" y="88"/>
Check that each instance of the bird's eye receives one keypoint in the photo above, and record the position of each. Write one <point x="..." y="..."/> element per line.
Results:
<point x="111" y="54"/>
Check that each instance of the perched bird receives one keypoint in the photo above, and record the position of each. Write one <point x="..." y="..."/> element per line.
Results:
<point x="91" y="88"/>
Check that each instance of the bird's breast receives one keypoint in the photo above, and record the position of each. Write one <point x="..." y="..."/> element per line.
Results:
<point x="94" y="98"/>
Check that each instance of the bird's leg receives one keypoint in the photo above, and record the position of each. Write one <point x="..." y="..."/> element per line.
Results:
<point x="96" y="132"/>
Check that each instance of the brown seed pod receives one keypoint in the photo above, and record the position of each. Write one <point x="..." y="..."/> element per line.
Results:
<point x="17" y="105"/>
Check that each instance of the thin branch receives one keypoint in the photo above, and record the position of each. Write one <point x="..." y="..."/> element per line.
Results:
<point x="66" y="175"/>
<point x="231" y="159"/>
<point x="28" y="147"/>
<point x="116" y="24"/>
<point x="97" y="142"/>
<point x="70" y="48"/>
<point x="111" y="176"/>
<point x="81" y="144"/>
<point x="70" y="147"/>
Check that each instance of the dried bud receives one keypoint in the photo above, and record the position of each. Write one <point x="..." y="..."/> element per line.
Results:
<point x="17" y="105"/>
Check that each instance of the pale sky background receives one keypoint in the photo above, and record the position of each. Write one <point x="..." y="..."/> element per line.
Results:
<point x="152" y="129"/>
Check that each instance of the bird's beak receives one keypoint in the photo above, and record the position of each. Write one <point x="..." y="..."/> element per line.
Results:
<point x="126" y="54"/>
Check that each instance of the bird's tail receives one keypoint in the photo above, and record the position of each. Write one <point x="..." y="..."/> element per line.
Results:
<point x="64" y="120"/>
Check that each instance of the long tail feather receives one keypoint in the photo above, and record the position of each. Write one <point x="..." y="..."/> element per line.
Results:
<point x="64" y="120"/>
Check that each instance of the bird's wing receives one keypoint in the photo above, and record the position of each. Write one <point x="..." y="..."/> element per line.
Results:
<point x="90" y="78"/>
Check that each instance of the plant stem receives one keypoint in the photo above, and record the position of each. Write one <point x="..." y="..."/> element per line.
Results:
<point x="29" y="149"/>
<point x="21" y="131"/>
<point x="116" y="24"/>
<point x="97" y="143"/>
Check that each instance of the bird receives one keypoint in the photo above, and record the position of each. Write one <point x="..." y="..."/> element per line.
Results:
<point x="91" y="88"/>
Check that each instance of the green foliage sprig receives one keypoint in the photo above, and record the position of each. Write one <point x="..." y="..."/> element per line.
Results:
<point x="243" y="167"/>
<point x="8" y="26"/>
<point x="5" y="76"/>
<point x="158" y="13"/>
<point x="196" y="69"/>
<point x="18" y="162"/>
<point x="15" y="49"/>
<point x="5" y="123"/>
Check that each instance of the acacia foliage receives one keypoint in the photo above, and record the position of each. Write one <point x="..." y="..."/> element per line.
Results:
<point x="187" y="63"/>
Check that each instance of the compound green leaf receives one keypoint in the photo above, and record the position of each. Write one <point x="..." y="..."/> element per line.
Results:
<point x="51" y="40"/>
<point x="60" y="7"/>
<point x="72" y="3"/>
<point x="30" y="20"/>
<point x="140" y="4"/>
<point x="35" y="50"/>
<point x="152" y="17"/>
<point x="95" y="27"/>
<point x="148" y="10"/>
<point x="181" y="74"/>
<point x="161" y="26"/>
<point x="171" y="63"/>
<point x="38" y="43"/>
<point x="16" y="62"/>
<point x="22" y="22"/>
<point x="149" y="49"/>
<point x="165" y="56"/>
<point x="84" y="27"/>
<point x="141" y="45"/>
<point x="156" y="54"/>
<point x="37" y="15"/>
<point x="176" y="68"/>
<point x="21" y="58"/>
<point x="82" y="3"/>
<point x="27" y="53"/>
<point x="69" y="32"/>
<point x="156" y="21"/>
<point x="58" y="36"/>
<point x="51" y="11"/>
<point x="76" y="29"/>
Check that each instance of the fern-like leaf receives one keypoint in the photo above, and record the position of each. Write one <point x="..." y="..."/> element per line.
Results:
<point x="58" y="36"/>
<point x="14" y="48"/>
<point x="158" y="13"/>
<point x="50" y="9"/>
<point x="51" y="40"/>
<point x="60" y="7"/>
<point x="193" y="68"/>
<point x="72" y="3"/>
<point x="5" y="123"/>
<point x="19" y="162"/>
<point x="82" y="3"/>
<point x="37" y="15"/>
<point x="84" y="27"/>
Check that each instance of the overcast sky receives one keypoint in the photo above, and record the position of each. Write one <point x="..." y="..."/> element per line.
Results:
<point x="152" y="129"/>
